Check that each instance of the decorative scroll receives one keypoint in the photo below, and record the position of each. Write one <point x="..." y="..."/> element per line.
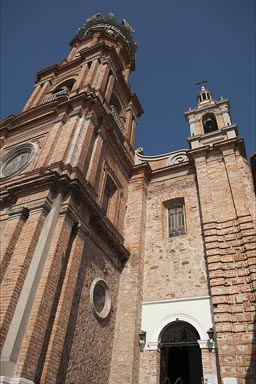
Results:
<point x="172" y="158"/>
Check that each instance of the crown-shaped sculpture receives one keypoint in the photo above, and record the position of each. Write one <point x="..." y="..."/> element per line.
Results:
<point x="112" y="27"/>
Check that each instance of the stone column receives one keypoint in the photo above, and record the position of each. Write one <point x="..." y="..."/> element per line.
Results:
<point x="95" y="160"/>
<point x="79" y="84"/>
<point x="110" y="86"/>
<point x="102" y="78"/>
<point x="91" y="73"/>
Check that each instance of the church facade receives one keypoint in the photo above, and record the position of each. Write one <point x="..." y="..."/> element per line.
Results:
<point x="118" y="267"/>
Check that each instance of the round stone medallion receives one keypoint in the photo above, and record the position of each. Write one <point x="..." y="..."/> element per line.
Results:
<point x="17" y="159"/>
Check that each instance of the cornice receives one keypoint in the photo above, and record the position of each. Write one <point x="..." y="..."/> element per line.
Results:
<point x="221" y="145"/>
<point x="46" y="112"/>
<point x="210" y="106"/>
<point x="52" y="69"/>
<point x="143" y="170"/>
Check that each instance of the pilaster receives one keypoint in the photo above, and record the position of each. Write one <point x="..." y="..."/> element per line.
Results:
<point x="126" y="350"/>
<point x="15" y="223"/>
<point x="59" y="328"/>
<point x="19" y="264"/>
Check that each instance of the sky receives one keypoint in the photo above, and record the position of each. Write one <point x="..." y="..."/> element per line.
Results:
<point x="179" y="43"/>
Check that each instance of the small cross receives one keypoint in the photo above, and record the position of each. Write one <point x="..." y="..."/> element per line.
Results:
<point x="201" y="82"/>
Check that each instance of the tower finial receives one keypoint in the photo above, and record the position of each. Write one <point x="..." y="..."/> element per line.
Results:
<point x="201" y="82"/>
<point x="204" y="96"/>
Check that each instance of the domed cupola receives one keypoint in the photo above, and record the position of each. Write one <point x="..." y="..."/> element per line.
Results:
<point x="204" y="96"/>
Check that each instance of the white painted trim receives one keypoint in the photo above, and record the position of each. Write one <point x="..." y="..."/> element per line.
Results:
<point x="180" y="317"/>
<point x="176" y="300"/>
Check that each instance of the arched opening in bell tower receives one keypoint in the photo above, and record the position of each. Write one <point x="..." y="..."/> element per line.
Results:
<point x="209" y="123"/>
<point x="180" y="361"/>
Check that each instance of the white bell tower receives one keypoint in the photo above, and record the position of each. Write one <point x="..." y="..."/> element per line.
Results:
<point x="210" y="121"/>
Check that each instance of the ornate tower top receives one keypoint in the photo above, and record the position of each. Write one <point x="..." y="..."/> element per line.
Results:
<point x="112" y="27"/>
<point x="204" y="96"/>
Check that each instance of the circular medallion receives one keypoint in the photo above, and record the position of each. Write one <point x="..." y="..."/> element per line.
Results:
<point x="100" y="298"/>
<point x="17" y="159"/>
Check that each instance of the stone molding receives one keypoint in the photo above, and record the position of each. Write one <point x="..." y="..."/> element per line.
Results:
<point x="22" y="212"/>
<point x="172" y="318"/>
<point x="103" y="314"/>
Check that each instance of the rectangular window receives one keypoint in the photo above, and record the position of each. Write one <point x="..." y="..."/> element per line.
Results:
<point x="176" y="217"/>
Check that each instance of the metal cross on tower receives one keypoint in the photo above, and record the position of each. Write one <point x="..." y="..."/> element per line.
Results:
<point x="201" y="82"/>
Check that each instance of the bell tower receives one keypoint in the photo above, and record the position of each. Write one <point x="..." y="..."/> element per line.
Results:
<point x="99" y="64"/>
<point x="65" y="167"/>
<point x="209" y="121"/>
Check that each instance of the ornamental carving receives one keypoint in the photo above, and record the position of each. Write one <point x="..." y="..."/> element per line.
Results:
<point x="172" y="158"/>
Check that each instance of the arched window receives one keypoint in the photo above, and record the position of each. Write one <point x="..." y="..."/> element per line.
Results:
<point x="64" y="88"/>
<point x="209" y="123"/>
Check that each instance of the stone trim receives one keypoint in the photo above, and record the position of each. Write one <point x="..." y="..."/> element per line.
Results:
<point x="14" y="380"/>
<point x="206" y="344"/>
<point x="21" y="212"/>
<point x="175" y="300"/>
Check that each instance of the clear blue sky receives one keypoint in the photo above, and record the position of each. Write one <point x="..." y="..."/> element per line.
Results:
<point x="180" y="42"/>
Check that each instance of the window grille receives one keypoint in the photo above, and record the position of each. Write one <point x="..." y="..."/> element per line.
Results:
<point x="176" y="221"/>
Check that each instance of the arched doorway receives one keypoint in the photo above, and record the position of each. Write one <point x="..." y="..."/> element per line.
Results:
<point x="181" y="361"/>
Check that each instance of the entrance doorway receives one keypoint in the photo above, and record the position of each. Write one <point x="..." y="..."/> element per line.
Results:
<point x="181" y="361"/>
